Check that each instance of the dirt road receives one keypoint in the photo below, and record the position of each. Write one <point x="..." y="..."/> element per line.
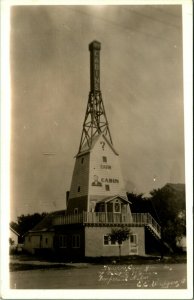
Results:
<point x="88" y="276"/>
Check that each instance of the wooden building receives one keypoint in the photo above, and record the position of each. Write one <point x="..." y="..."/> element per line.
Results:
<point x="97" y="201"/>
<point x="13" y="235"/>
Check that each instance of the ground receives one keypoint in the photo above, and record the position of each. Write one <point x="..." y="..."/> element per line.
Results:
<point x="39" y="274"/>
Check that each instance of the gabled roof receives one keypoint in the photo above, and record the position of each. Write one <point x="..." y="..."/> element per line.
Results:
<point x="94" y="141"/>
<point x="14" y="231"/>
<point x="46" y="224"/>
<point x="108" y="199"/>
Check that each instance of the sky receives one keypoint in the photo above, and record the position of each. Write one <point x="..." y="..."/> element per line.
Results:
<point x="142" y="90"/>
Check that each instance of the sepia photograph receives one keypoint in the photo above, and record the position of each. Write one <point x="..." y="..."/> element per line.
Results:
<point x="99" y="193"/>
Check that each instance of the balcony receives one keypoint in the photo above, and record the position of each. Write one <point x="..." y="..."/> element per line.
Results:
<point x="109" y="218"/>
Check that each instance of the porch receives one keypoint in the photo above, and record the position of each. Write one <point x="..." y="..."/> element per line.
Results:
<point x="110" y="219"/>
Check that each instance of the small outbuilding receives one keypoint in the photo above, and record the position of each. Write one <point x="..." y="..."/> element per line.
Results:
<point x="13" y="237"/>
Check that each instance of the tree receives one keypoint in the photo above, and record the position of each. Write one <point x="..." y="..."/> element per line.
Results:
<point x="119" y="235"/>
<point x="136" y="197"/>
<point x="27" y="222"/>
<point x="141" y="204"/>
<point x="169" y="203"/>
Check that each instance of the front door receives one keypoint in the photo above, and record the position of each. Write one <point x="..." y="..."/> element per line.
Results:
<point x="133" y="244"/>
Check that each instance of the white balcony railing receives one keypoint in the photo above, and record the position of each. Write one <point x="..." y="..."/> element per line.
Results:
<point x="138" y="219"/>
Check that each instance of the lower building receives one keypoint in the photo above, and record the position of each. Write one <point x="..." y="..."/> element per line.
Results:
<point x="87" y="235"/>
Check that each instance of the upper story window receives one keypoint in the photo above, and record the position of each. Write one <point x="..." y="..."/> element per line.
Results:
<point x="107" y="187"/>
<point x="117" y="207"/>
<point x="79" y="189"/>
<point x="75" y="210"/>
<point x="101" y="207"/>
<point x="104" y="159"/>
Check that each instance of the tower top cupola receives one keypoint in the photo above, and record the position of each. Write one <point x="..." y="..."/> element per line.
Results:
<point x="94" y="48"/>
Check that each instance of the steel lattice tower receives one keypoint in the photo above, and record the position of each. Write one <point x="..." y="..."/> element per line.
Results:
<point x="95" y="121"/>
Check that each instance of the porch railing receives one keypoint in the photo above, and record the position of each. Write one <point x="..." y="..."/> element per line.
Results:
<point x="138" y="219"/>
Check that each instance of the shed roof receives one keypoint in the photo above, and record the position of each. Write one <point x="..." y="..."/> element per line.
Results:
<point x="46" y="224"/>
<point x="14" y="231"/>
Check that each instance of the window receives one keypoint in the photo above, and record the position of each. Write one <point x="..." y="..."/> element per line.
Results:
<point x="113" y="242"/>
<point x="109" y="207"/>
<point x="106" y="240"/>
<point x="78" y="189"/>
<point x="76" y="211"/>
<point x="109" y="242"/>
<point x="46" y="241"/>
<point x="82" y="160"/>
<point x="107" y="187"/>
<point x="117" y="207"/>
<point x="101" y="208"/>
<point x="133" y="239"/>
<point x="62" y="241"/>
<point x="133" y="244"/>
<point x="75" y="241"/>
<point x="104" y="159"/>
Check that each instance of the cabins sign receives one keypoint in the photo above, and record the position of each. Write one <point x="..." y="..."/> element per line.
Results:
<point x="97" y="182"/>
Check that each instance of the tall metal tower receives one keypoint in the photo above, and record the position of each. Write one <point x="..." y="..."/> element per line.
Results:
<point x="95" y="121"/>
<point x="97" y="174"/>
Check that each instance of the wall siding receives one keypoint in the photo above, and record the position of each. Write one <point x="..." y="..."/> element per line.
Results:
<point x="80" y="177"/>
<point x="79" y="202"/>
<point x="84" y="174"/>
<point x="69" y="231"/>
<point x="91" y="242"/>
<point x="140" y="231"/>
<point x="94" y="246"/>
<point x="38" y="241"/>
<point x="109" y="170"/>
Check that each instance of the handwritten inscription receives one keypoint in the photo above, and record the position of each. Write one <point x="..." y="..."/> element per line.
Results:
<point x="146" y="277"/>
